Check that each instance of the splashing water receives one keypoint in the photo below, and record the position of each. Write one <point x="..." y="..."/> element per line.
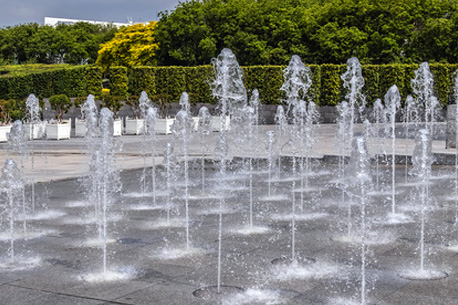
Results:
<point x="17" y="143"/>
<point x="11" y="191"/>
<point x="422" y="160"/>
<point x="282" y="123"/>
<point x="170" y="169"/>
<point x="204" y="130"/>
<point x="89" y="113"/>
<point x="359" y="184"/>
<point x="380" y="121"/>
<point x="106" y="177"/>
<point x="182" y="129"/>
<point x="354" y="82"/>
<point x="150" y="124"/>
<point x="230" y="91"/>
<point x="422" y="86"/>
<point x="411" y="115"/>
<point x="33" y="110"/>
<point x="144" y="104"/>
<point x="270" y="143"/>
<point x="11" y="186"/>
<point x="297" y="82"/>
<point x="393" y="103"/>
<point x="455" y="95"/>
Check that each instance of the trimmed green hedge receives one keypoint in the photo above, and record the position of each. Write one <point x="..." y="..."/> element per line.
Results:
<point x="93" y="80"/>
<point x="168" y="83"/>
<point x="71" y="81"/>
<point x="119" y="82"/>
<point x="141" y="79"/>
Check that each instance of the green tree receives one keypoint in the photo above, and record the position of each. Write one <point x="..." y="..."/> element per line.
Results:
<point x="320" y="31"/>
<point x="60" y="103"/>
<point x="74" y="44"/>
<point x="15" y="42"/>
<point x="130" y="46"/>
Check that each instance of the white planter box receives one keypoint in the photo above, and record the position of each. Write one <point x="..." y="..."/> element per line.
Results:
<point x="4" y="130"/>
<point x="134" y="126"/>
<point x="39" y="130"/>
<point x="117" y="128"/>
<point x="216" y="123"/>
<point x="59" y="131"/>
<point x="80" y="128"/>
<point x="163" y="126"/>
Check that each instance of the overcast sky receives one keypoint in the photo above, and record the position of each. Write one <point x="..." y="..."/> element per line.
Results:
<point x="14" y="12"/>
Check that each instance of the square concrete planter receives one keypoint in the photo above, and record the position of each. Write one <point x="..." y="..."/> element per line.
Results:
<point x="39" y="129"/>
<point x="117" y="128"/>
<point x="80" y="128"/>
<point x="59" y="131"/>
<point x="216" y="123"/>
<point x="134" y="126"/>
<point x="4" y="130"/>
<point x="163" y="126"/>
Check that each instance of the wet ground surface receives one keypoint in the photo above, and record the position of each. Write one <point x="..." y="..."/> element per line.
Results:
<point x="152" y="255"/>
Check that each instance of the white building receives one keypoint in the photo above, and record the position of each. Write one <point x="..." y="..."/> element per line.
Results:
<point x="56" y="21"/>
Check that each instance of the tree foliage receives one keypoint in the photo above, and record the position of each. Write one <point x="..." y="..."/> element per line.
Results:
<point x="131" y="46"/>
<point x="73" y="44"/>
<point x="319" y="31"/>
<point x="60" y="103"/>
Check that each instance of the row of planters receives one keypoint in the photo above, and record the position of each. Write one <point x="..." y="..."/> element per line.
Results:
<point x="12" y="110"/>
<point x="135" y="124"/>
<point x="59" y="128"/>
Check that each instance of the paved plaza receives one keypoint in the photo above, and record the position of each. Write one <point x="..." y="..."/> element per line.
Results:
<point x="150" y="253"/>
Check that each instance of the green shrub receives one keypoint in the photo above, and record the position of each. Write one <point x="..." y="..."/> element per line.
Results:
<point x="60" y="103"/>
<point x="110" y="101"/>
<point x="9" y="111"/>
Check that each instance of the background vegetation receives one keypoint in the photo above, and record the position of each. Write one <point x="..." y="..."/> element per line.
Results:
<point x="262" y="32"/>
<point x="259" y="32"/>
<point x="74" y="81"/>
<point x="72" y="44"/>
<point x="170" y="56"/>
<point x="131" y="46"/>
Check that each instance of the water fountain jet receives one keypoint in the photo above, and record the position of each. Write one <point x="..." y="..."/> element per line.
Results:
<point x="33" y="109"/>
<point x="11" y="190"/>
<point x="422" y="160"/>
<point x="230" y="91"/>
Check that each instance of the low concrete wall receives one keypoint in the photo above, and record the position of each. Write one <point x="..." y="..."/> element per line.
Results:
<point x="328" y="114"/>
